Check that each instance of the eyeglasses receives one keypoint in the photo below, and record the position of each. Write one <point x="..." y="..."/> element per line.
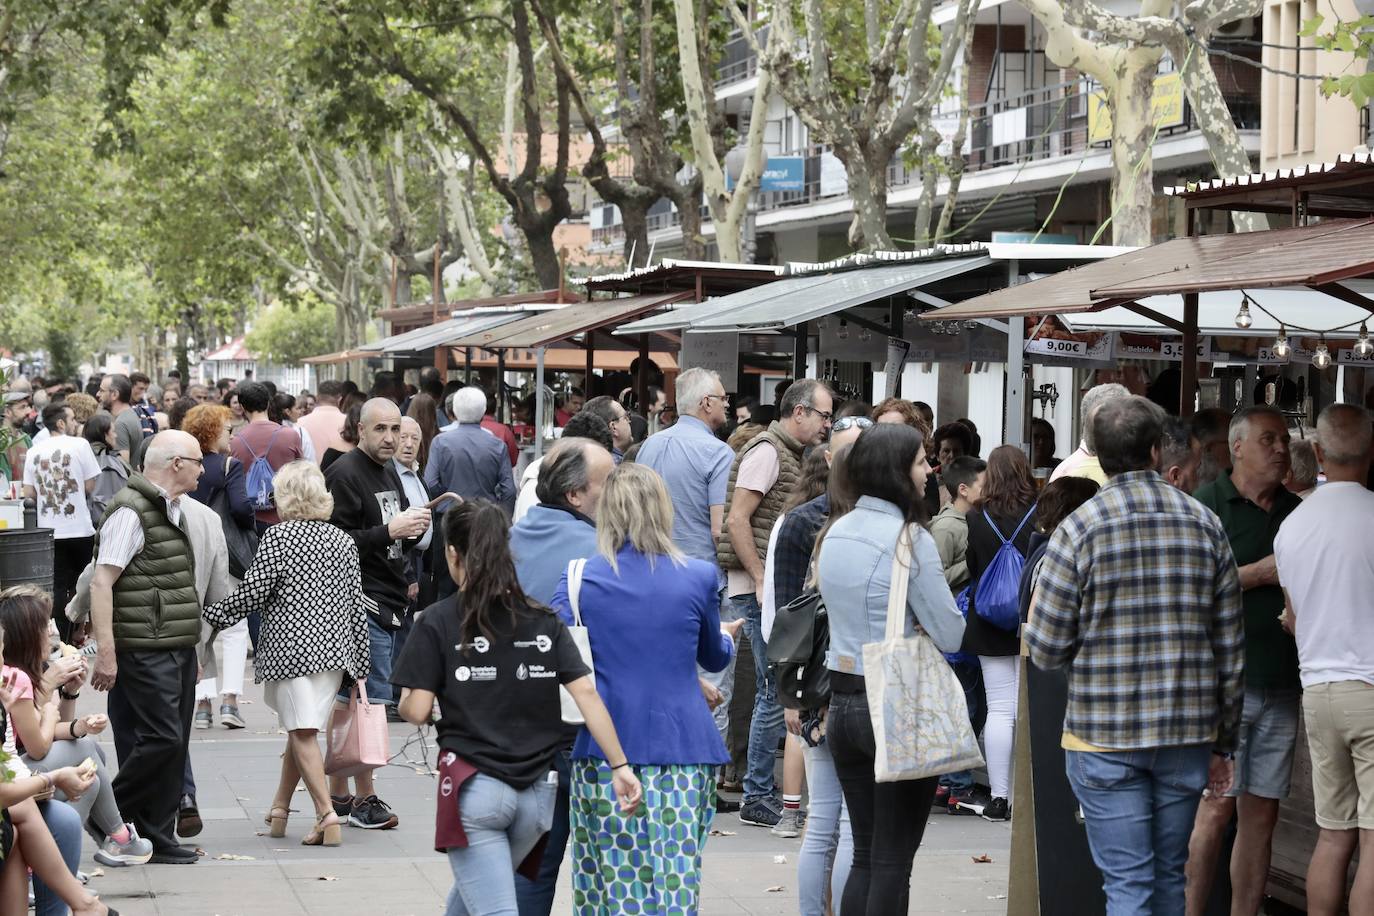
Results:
<point x="200" y="461"/>
<point x="844" y="423"/>
<point x="825" y="415"/>
<point x="623" y="417"/>
<point x="718" y="397"/>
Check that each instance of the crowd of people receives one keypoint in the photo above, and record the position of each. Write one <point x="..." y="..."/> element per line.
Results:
<point x="1191" y="579"/>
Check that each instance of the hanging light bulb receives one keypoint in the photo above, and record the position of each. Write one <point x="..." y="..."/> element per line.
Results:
<point x="822" y="323"/>
<point x="864" y="334"/>
<point x="843" y="332"/>
<point x="1243" y="319"/>
<point x="1322" y="357"/>
<point x="970" y="325"/>
<point x="1281" y="347"/>
<point x="1362" y="346"/>
<point x="909" y="315"/>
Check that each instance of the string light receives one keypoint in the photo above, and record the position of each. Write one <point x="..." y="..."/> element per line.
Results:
<point x="1362" y="346"/>
<point x="971" y="325"/>
<point x="1322" y="357"/>
<point x="843" y="332"/>
<point x="1243" y="319"/>
<point x="1281" y="347"/>
<point x="909" y="315"/>
<point x="864" y="334"/>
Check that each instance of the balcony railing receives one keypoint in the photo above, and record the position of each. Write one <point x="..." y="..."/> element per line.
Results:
<point x="738" y="61"/>
<point x="1038" y="125"/>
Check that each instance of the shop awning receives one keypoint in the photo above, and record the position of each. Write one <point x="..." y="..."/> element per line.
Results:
<point x="342" y="356"/>
<point x="1288" y="306"/>
<point x="437" y="335"/>
<point x="550" y="327"/>
<point x="1253" y="260"/>
<point x="790" y="301"/>
<point x="829" y="294"/>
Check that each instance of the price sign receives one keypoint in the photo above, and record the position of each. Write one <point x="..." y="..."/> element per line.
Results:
<point x="718" y="352"/>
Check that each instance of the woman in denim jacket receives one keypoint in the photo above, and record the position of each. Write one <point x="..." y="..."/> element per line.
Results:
<point x="888" y="468"/>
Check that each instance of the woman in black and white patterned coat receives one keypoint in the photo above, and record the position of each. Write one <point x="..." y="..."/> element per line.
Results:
<point x="306" y="583"/>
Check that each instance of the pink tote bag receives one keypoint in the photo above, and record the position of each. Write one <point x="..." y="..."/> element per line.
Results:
<point x="357" y="737"/>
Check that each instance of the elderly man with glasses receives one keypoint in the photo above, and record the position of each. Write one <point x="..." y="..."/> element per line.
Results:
<point x="762" y="479"/>
<point x="145" y="618"/>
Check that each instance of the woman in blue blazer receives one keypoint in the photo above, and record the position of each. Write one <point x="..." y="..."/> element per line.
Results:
<point x="652" y="615"/>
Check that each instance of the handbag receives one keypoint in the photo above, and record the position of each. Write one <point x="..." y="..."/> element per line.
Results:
<point x="796" y="650"/>
<point x="241" y="544"/>
<point x="571" y="714"/>
<point x="915" y="702"/>
<point x="357" y="736"/>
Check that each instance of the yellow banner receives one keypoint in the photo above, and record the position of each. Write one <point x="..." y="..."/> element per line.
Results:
<point x="1166" y="107"/>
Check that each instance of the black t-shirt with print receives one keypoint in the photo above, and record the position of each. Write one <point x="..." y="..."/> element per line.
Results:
<point x="498" y="697"/>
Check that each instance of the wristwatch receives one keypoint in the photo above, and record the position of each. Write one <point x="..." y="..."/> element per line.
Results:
<point x="1225" y="755"/>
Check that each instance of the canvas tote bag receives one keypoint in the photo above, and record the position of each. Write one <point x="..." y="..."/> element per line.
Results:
<point x="915" y="702"/>
<point x="357" y="736"/>
<point x="571" y="714"/>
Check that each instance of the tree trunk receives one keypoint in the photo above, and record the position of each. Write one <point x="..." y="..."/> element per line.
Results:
<point x="543" y="256"/>
<point x="689" y="208"/>
<point x="634" y="220"/>
<point x="1132" y="158"/>
<point x="868" y="191"/>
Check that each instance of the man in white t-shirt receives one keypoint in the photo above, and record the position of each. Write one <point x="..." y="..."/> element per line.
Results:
<point x="58" y="474"/>
<point x="1325" y="557"/>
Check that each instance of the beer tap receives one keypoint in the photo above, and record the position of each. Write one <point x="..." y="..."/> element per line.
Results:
<point x="1047" y="393"/>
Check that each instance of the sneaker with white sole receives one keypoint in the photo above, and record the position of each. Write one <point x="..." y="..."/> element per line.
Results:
<point x="760" y="812"/>
<point x="229" y="716"/>
<point x="204" y="719"/>
<point x="117" y="855"/>
<point x="372" y="813"/>
<point x="789" y="824"/>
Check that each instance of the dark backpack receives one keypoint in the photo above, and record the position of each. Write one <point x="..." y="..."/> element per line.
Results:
<point x="258" y="481"/>
<point x="796" y="651"/>
<point x="997" y="598"/>
<point x="961" y="602"/>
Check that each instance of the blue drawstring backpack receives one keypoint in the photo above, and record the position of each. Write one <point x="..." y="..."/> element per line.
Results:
<point x="258" y="481"/>
<point x="998" y="596"/>
<point x="961" y="602"/>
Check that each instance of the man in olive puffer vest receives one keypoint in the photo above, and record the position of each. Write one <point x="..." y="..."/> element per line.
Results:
<point x="145" y="618"/>
<point x="764" y="474"/>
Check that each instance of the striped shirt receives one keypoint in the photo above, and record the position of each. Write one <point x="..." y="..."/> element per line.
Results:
<point x="1139" y="597"/>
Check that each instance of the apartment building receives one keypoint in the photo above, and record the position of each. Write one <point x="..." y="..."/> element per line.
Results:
<point x="1032" y="133"/>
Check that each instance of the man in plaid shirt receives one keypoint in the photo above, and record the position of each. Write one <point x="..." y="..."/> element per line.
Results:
<point x="1139" y="597"/>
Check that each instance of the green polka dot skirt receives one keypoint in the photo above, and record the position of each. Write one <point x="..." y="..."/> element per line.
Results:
<point x="647" y="863"/>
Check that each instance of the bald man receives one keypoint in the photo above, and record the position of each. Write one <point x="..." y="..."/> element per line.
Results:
<point x="371" y="505"/>
<point x="145" y="618"/>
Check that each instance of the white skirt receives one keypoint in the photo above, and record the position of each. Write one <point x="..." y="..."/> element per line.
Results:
<point x="304" y="702"/>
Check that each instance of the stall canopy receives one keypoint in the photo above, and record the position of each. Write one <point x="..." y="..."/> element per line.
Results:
<point x="551" y="327"/>
<point x="342" y="356"/>
<point x="791" y="301"/>
<point x="439" y="335"/>
<point x="1217" y="312"/>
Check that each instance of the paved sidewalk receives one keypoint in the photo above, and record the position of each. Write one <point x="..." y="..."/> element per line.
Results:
<point x="397" y="873"/>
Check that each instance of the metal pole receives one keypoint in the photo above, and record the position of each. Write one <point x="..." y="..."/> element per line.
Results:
<point x="500" y="384"/>
<point x="1187" y="397"/>
<point x="1016" y="369"/>
<point x="538" y="402"/>
<point x="799" y="352"/>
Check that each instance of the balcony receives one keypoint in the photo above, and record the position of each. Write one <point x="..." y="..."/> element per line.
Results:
<point x="1040" y="125"/>
<point x="738" y="61"/>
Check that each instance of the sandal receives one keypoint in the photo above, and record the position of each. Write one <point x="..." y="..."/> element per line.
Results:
<point x="276" y="821"/>
<point x="328" y="831"/>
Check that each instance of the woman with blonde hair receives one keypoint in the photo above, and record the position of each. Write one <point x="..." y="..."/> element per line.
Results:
<point x="306" y="583"/>
<point x="652" y="615"/>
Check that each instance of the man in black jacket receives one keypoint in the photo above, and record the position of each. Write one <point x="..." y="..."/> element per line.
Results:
<point x="370" y="504"/>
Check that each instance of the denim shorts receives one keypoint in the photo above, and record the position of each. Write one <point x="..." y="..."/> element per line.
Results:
<point x="1268" y="738"/>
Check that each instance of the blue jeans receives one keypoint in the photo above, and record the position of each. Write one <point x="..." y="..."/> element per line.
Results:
<point x="767" y="727"/>
<point x="65" y="826"/>
<point x="827" y="848"/>
<point x="378" y="685"/>
<point x="536" y="897"/>
<point x="724" y="681"/>
<point x="970" y="675"/>
<point x="502" y="824"/>
<point x="1138" y="807"/>
<point x="398" y="644"/>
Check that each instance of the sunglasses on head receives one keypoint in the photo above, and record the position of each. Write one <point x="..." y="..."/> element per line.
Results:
<point x="844" y="423"/>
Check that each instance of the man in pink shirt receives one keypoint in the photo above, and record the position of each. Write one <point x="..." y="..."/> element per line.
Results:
<point x="325" y="423"/>
<point x="262" y="438"/>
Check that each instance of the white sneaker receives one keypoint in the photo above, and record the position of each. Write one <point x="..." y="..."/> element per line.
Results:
<point x="788" y="825"/>
<point x="116" y="855"/>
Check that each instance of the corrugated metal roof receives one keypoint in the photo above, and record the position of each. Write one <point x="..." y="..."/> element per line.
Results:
<point x="439" y="334"/>
<point x="687" y="315"/>
<point x="1346" y="162"/>
<point x="552" y="326"/>
<point x="835" y="293"/>
<point x="672" y="265"/>
<point x="1307" y="256"/>
<point x="233" y="351"/>
<point x="1281" y="257"/>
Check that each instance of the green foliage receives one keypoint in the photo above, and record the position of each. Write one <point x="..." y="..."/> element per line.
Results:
<point x="1354" y="36"/>
<point x="287" y="333"/>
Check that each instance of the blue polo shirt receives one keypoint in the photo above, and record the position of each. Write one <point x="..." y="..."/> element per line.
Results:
<point x="696" y="467"/>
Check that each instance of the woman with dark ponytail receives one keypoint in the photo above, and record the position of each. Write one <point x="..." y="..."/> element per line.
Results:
<point x="494" y="660"/>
